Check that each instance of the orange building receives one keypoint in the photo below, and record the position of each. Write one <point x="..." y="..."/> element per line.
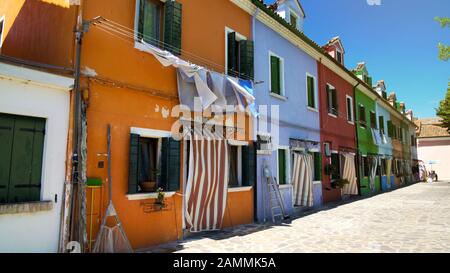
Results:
<point x="124" y="85"/>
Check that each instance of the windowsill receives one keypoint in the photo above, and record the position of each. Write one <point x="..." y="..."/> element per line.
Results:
<point x="26" y="207"/>
<point x="317" y="182"/>
<point x="239" y="189"/>
<point x="264" y="152"/>
<point x="332" y="115"/>
<point x="149" y="195"/>
<point x="285" y="186"/>
<point x="350" y="122"/>
<point x="312" y="109"/>
<point x="278" y="96"/>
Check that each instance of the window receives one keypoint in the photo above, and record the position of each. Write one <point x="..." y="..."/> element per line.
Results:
<point x="373" y="120"/>
<point x="154" y="162"/>
<point x="390" y="129"/>
<point x="339" y="56"/>
<point x="413" y="140"/>
<point x="350" y="109"/>
<point x="365" y="166"/>
<point x="317" y="166"/>
<point x="283" y="166"/>
<point x="276" y="75"/>
<point x="239" y="55"/>
<point x="381" y="124"/>
<point x="332" y="100"/>
<point x="400" y="133"/>
<point x="293" y="19"/>
<point x="21" y="158"/>
<point x="2" y="23"/>
<point x="336" y="163"/>
<point x="362" y="116"/>
<point x="235" y="171"/>
<point x="383" y="166"/>
<point x="159" y="24"/>
<point x="384" y="95"/>
<point x="311" y="91"/>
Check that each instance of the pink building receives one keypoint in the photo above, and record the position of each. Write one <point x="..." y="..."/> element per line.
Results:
<point x="433" y="144"/>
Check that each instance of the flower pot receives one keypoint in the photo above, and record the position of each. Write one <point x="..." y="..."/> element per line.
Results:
<point x="148" y="186"/>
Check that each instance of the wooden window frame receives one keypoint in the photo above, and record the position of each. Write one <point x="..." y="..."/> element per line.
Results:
<point x="239" y="37"/>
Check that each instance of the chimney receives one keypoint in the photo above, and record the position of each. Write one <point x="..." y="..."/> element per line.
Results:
<point x="392" y="98"/>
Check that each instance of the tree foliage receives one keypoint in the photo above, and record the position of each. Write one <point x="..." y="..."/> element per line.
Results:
<point x="444" y="50"/>
<point x="444" y="110"/>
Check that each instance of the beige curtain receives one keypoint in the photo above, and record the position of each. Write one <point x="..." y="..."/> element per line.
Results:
<point x="388" y="172"/>
<point x="349" y="173"/>
<point x="302" y="180"/>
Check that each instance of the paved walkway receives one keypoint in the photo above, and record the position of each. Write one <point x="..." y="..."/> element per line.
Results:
<point x="410" y="219"/>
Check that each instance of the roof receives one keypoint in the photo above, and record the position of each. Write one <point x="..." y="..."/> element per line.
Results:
<point x="275" y="5"/>
<point x="334" y="40"/>
<point x="360" y="66"/>
<point x="429" y="127"/>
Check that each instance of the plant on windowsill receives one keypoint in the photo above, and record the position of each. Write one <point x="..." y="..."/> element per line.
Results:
<point x="160" y="199"/>
<point x="339" y="183"/>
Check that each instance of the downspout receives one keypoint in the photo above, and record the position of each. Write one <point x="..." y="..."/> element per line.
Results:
<point x="358" y="162"/>
<point x="255" y="129"/>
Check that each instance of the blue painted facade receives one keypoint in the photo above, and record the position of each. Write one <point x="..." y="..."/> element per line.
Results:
<point x="296" y="121"/>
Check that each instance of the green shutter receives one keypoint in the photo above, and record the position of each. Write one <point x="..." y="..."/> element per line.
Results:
<point x="334" y="101"/>
<point x="311" y="92"/>
<point x="275" y="75"/>
<point x="282" y="166"/>
<point x="249" y="165"/>
<point x="231" y="54"/>
<point x="170" y="164"/>
<point x="172" y="26"/>
<point x="317" y="166"/>
<point x="6" y="141"/>
<point x="133" y="171"/>
<point x="26" y="160"/>
<point x="246" y="59"/>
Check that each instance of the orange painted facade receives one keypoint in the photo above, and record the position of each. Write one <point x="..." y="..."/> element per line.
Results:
<point x="128" y="87"/>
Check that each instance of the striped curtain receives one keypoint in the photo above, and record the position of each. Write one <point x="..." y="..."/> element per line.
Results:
<point x="349" y="173"/>
<point x="373" y="172"/>
<point x="388" y="172"/>
<point x="207" y="185"/>
<point x="302" y="180"/>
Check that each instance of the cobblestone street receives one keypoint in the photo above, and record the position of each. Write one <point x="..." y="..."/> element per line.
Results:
<point x="410" y="219"/>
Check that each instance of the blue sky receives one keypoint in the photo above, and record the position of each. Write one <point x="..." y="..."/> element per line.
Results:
<point x="397" y="40"/>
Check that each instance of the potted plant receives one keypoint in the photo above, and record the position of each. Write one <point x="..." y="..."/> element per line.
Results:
<point x="339" y="183"/>
<point x="150" y="186"/>
<point x="160" y="199"/>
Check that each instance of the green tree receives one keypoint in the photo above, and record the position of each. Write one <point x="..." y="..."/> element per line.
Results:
<point x="444" y="110"/>
<point x="444" y="50"/>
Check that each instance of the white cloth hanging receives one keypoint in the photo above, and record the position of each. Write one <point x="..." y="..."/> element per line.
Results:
<point x="302" y="179"/>
<point x="349" y="173"/>
<point x="373" y="172"/>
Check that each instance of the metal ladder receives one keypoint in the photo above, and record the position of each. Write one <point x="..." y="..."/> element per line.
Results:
<point x="275" y="199"/>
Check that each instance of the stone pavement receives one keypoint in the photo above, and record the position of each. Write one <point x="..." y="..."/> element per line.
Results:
<point x="411" y="219"/>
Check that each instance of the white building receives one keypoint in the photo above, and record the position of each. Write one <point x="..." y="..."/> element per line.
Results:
<point x="34" y="125"/>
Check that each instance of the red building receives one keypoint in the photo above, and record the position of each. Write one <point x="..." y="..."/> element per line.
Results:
<point x="337" y="119"/>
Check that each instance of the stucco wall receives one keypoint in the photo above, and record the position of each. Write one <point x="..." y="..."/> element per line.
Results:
<point x="439" y="151"/>
<point x="38" y="231"/>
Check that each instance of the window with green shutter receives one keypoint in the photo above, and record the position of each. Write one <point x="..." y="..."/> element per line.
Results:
<point x="249" y="165"/>
<point x="275" y="75"/>
<point x="282" y="164"/>
<point x="240" y="56"/>
<point x="317" y="166"/>
<point x="160" y="23"/>
<point x="153" y="163"/>
<point x="362" y="116"/>
<point x="390" y="129"/>
<point x="310" y="82"/>
<point x="246" y="62"/>
<point x="21" y="157"/>
<point x="381" y="124"/>
<point x="373" y="120"/>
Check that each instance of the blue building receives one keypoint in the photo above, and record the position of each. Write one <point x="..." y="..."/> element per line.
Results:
<point x="286" y="77"/>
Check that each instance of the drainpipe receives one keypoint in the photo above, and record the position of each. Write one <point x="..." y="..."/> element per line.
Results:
<point x="358" y="163"/>
<point x="255" y="137"/>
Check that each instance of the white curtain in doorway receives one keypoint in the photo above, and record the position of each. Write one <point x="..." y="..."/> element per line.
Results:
<point x="373" y="172"/>
<point x="207" y="185"/>
<point x="302" y="179"/>
<point x="388" y="172"/>
<point x="349" y="173"/>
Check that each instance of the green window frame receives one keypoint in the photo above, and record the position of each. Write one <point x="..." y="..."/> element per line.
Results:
<point x="317" y="166"/>
<point x="282" y="166"/>
<point x="362" y="116"/>
<point x="275" y="75"/>
<point x="160" y="24"/>
<point x="21" y="158"/>
<point x="373" y="120"/>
